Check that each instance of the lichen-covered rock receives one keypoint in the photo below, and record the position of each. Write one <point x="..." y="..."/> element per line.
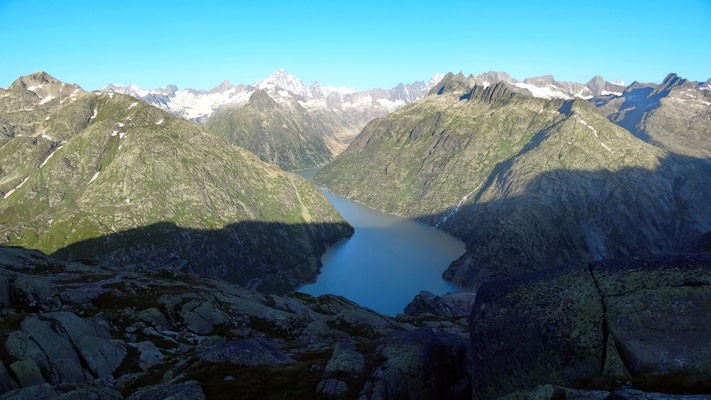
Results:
<point x="149" y="355"/>
<point x="101" y="354"/>
<point x="189" y="390"/>
<point x="640" y="320"/>
<point x="246" y="352"/>
<point x="53" y="352"/>
<point x="201" y="316"/>
<point x="345" y="358"/>
<point x="36" y="392"/>
<point x="27" y="372"/>
<point x="419" y="365"/>
<point x="658" y="316"/>
<point x="154" y="317"/>
<point x="545" y="328"/>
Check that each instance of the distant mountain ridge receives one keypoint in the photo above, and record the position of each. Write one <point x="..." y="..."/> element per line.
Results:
<point x="546" y="86"/>
<point x="197" y="105"/>
<point x="282" y="120"/>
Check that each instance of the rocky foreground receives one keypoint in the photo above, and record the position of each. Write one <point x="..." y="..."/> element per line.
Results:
<point x="74" y="331"/>
<point x="604" y="330"/>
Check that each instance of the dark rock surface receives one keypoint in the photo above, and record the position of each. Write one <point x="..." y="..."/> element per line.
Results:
<point x="601" y="324"/>
<point x="73" y="331"/>
<point x="450" y="305"/>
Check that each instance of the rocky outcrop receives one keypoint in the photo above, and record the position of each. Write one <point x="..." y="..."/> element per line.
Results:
<point x="450" y="305"/>
<point x="163" y="334"/>
<point x="601" y="324"/>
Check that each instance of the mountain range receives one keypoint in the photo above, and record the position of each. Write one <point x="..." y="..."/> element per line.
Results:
<point x="107" y="177"/>
<point x="281" y="119"/>
<point x="142" y="209"/>
<point x="297" y="126"/>
<point x="530" y="181"/>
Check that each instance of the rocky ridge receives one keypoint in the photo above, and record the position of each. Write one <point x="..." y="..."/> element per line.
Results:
<point x="105" y="176"/>
<point x="675" y="115"/>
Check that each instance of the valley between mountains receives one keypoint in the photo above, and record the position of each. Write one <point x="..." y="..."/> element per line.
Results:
<point x="153" y="241"/>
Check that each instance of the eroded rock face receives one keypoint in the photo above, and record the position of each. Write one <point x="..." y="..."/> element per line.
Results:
<point x="640" y="320"/>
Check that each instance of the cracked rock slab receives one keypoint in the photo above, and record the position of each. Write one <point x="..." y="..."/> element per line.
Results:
<point x="644" y="320"/>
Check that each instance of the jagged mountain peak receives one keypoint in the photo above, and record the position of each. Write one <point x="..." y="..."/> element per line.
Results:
<point x="284" y="80"/>
<point x="222" y="87"/>
<point x="670" y="81"/>
<point x="596" y="81"/>
<point x="451" y="83"/>
<point x="37" y="79"/>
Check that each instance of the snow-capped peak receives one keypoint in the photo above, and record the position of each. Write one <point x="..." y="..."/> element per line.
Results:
<point x="434" y="80"/>
<point x="284" y="88"/>
<point x="284" y="80"/>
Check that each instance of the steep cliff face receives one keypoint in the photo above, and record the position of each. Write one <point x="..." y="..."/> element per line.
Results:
<point x="107" y="176"/>
<point x="524" y="181"/>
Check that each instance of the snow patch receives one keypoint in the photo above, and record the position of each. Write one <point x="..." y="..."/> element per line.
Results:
<point x="391" y="105"/>
<point x="546" y="92"/>
<point x="459" y="205"/>
<point x="586" y="124"/>
<point x="605" y="146"/>
<point x="95" y="176"/>
<point x="160" y="121"/>
<point x="114" y="133"/>
<point x="16" y="187"/>
<point x="47" y="118"/>
<point x="120" y="124"/>
<point x="121" y="135"/>
<point x="46" y="99"/>
<point x="94" y="116"/>
<point x="132" y="105"/>
<point x="50" y="156"/>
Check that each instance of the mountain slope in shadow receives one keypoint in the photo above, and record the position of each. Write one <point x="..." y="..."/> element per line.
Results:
<point x="527" y="183"/>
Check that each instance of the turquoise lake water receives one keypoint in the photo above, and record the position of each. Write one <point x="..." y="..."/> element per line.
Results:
<point x="387" y="261"/>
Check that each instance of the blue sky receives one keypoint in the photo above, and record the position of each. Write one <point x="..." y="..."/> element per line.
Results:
<point x="360" y="44"/>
